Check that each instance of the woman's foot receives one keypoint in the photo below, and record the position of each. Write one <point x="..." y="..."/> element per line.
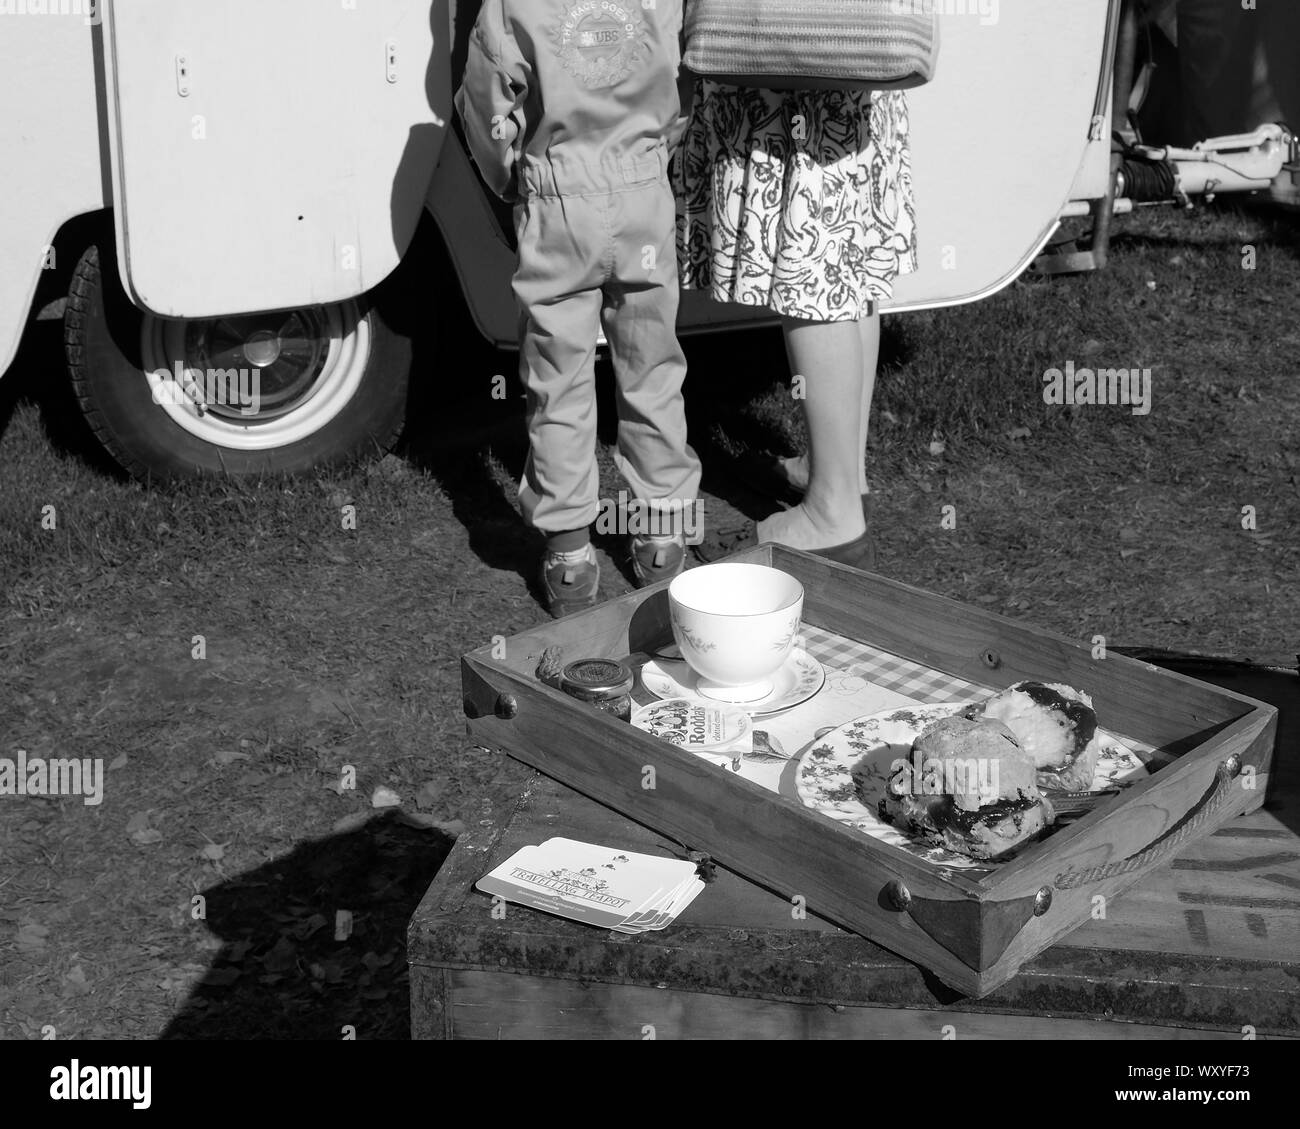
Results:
<point x="849" y="543"/>
<point x="803" y="527"/>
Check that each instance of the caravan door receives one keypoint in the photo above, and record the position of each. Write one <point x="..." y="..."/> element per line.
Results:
<point x="270" y="155"/>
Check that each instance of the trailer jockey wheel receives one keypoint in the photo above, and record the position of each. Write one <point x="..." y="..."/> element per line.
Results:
<point x="240" y="395"/>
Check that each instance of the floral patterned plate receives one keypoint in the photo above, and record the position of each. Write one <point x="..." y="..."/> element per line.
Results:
<point x="799" y="678"/>
<point x="824" y="779"/>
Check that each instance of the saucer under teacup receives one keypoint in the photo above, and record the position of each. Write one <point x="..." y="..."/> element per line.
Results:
<point x="798" y="679"/>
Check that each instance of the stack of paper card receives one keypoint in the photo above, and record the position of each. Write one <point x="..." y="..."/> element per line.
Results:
<point x="612" y="889"/>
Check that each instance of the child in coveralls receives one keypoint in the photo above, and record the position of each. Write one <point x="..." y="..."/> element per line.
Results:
<point x="571" y="110"/>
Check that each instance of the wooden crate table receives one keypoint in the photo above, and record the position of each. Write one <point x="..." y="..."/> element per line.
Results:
<point x="1207" y="946"/>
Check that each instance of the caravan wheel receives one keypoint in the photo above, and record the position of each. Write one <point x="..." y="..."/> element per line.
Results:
<point x="241" y="395"/>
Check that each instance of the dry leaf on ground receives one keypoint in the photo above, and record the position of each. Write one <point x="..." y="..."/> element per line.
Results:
<point x="384" y="797"/>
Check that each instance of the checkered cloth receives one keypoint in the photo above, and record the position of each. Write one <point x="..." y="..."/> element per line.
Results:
<point x="911" y="679"/>
<point x="891" y="671"/>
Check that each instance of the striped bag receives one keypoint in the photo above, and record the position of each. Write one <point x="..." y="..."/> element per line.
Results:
<point x="813" y="44"/>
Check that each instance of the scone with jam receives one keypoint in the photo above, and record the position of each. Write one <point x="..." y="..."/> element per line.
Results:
<point x="969" y="786"/>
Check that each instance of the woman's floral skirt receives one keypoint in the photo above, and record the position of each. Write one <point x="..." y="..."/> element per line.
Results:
<point x="800" y="201"/>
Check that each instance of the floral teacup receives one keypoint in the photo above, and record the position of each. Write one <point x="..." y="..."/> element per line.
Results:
<point x="736" y="625"/>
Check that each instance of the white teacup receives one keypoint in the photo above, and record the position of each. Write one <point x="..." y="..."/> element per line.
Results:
<point x="736" y="624"/>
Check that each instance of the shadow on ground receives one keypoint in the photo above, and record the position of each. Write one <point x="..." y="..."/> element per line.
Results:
<point x="39" y="375"/>
<point x="467" y="426"/>
<point x="282" y="974"/>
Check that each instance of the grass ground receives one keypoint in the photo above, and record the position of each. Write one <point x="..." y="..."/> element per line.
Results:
<point x="227" y="649"/>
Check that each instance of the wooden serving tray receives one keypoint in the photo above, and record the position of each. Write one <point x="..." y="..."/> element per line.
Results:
<point x="972" y="932"/>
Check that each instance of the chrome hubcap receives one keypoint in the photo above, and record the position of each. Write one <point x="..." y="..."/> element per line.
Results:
<point x="256" y="367"/>
<point x="262" y="348"/>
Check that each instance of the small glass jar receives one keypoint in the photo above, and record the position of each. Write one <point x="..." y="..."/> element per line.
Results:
<point x="603" y="683"/>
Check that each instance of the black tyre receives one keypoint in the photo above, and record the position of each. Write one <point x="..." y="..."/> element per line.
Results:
<point x="280" y="392"/>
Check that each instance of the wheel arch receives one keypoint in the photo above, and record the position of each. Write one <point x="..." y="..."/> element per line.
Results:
<point x="24" y="293"/>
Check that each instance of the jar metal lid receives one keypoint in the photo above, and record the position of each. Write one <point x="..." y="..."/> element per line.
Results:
<point x="596" y="677"/>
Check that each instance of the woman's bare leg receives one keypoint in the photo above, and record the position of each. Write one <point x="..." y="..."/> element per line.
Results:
<point x="796" y="468"/>
<point x="869" y="329"/>
<point x="829" y="356"/>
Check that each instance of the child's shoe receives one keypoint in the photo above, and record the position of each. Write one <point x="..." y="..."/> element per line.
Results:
<point x="657" y="558"/>
<point x="570" y="581"/>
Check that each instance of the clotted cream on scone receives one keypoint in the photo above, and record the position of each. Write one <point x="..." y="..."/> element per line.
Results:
<point x="1055" y="724"/>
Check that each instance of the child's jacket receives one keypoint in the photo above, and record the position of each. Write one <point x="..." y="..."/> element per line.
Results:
<point x="580" y="93"/>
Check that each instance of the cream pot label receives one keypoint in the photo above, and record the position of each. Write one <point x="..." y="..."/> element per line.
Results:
<point x="692" y="725"/>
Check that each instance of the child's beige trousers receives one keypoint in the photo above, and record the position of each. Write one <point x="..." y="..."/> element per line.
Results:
<point x="596" y="248"/>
